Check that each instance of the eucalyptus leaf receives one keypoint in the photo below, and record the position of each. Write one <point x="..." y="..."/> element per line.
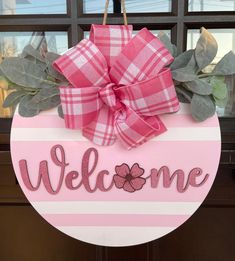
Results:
<point x="25" y="73"/>
<point x="13" y="86"/>
<point x="30" y="51"/>
<point x="199" y="86"/>
<point x="33" y="55"/>
<point x="45" y="94"/>
<point x="166" y="41"/>
<point x="187" y="62"/>
<point x="206" y="49"/>
<point x="30" y="107"/>
<point x="60" y="111"/>
<point x="184" y="95"/>
<point x="30" y="58"/>
<point x="13" y="98"/>
<point x="25" y="110"/>
<point x="220" y="90"/>
<point x="181" y="98"/>
<point x="183" y="75"/>
<point x="50" y="58"/>
<point x="192" y="65"/>
<point x="202" y="107"/>
<point x="221" y="102"/>
<point x="56" y="75"/>
<point x="182" y="60"/>
<point x="45" y="99"/>
<point x="226" y="66"/>
<point x="49" y="103"/>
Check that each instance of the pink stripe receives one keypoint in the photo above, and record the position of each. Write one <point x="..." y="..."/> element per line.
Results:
<point x="54" y="121"/>
<point x="156" y="160"/>
<point x="115" y="220"/>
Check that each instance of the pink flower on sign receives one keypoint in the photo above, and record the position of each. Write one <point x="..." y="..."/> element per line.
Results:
<point x="129" y="179"/>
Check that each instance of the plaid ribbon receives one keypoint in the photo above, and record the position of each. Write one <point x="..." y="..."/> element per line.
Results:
<point x="120" y="99"/>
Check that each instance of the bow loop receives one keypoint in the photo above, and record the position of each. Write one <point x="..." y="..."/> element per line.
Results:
<point x="142" y="58"/>
<point x="134" y="130"/>
<point x="110" y="39"/>
<point x="151" y="97"/>
<point x="83" y="65"/>
<point x="80" y="106"/>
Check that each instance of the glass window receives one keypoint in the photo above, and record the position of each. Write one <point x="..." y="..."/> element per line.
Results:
<point x="226" y="42"/>
<point x="12" y="44"/>
<point x="211" y="5"/>
<point x="20" y="7"/>
<point x="132" y="6"/>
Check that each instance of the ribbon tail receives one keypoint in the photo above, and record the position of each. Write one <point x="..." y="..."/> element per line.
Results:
<point x="101" y="130"/>
<point x="134" y="130"/>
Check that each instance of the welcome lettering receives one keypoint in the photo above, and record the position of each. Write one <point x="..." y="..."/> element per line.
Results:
<point x="74" y="179"/>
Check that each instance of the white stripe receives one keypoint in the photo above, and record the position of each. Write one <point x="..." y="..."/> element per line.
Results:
<point x="115" y="236"/>
<point x="63" y="134"/>
<point x="116" y="207"/>
<point x="184" y="109"/>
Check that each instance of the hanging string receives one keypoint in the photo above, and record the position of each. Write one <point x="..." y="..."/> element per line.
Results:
<point x="123" y="11"/>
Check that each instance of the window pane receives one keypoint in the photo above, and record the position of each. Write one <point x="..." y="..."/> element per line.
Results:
<point x="12" y="44"/>
<point x="11" y="7"/>
<point x="132" y="6"/>
<point x="211" y="5"/>
<point x="226" y="42"/>
<point x="155" y="32"/>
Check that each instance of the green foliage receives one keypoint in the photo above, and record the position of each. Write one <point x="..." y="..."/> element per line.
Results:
<point x="203" y="91"/>
<point x="182" y="60"/>
<point x="220" y="91"/>
<point x="33" y="81"/>
<point x="219" y="87"/>
<point x="13" y="98"/>
<point x="183" y="94"/>
<point x="199" y="86"/>
<point x="183" y="75"/>
<point x="31" y="105"/>
<point x="26" y="109"/>
<point x="25" y="73"/>
<point x="226" y="66"/>
<point x="206" y="49"/>
<point x="50" y="58"/>
<point x="32" y="54"/>
<point x="202" y="107"/>
<point x="60" y="111"/>
<point x="167" y="43"/>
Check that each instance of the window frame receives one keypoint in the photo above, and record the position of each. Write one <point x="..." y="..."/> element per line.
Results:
<point x="75" y="22"/>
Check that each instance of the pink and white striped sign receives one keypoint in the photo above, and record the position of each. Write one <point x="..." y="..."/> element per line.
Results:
<point x="108" y="195"/>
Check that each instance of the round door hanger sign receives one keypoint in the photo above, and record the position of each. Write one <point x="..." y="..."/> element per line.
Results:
<point x="109" y="195"/>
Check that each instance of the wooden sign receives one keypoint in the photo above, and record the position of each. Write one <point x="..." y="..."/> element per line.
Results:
<point x="109" y="195"/>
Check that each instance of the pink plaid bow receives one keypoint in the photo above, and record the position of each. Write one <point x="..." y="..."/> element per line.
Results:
<point x="121" y="97"/>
